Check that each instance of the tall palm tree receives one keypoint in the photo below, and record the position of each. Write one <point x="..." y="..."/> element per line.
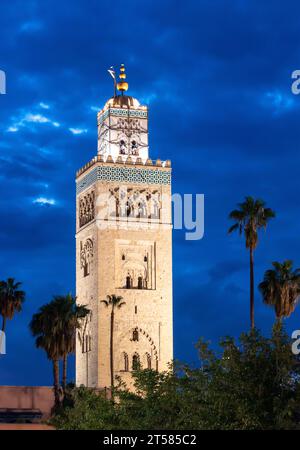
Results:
<point x="54" y="327"/>
<point x="112" y="301"/>
<point x="11" y="299"/>
<point x="280" y="288"/>
<point x="71" y="316"/>
<point x="45" y="326"/>
<point x="249" y="218"/>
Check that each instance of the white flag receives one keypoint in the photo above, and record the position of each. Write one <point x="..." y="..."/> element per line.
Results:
<point x="112" y="72"/>
<point x="2" y="343"/>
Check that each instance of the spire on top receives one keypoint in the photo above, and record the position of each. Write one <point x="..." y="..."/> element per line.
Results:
<point x="122" y="85"/>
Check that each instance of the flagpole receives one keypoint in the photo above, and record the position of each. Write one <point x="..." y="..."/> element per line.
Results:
<point x="112" y="73"/>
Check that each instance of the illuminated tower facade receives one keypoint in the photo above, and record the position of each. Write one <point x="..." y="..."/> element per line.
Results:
<point x="123" y="247"/>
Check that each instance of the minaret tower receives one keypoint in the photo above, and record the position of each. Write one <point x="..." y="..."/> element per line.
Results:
<point x="123" y="247"/>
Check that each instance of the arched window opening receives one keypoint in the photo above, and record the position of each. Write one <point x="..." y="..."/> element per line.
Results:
<point x="134" y="148"/>
<point x="117" y="207"/>
<point x="155" y="214"/>
<point x="140" y="282"/>
<point x="123" y="257"/>
<point x="136" y="365"/>
<point x="135" y="335"/>
<point x="128" y="282"/>
<point x="148" y="359"/>
<point x="122" y="147"/>
<point x="125" y="362"/>
<point x="86" y="270"/>
<point x="142" y="210"/>
<point x="129" y="209"/>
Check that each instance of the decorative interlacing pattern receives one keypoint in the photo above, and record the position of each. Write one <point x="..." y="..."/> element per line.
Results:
<point x="87" y="181"/>
<point x="86" y="256"/>
<point x="124" y="175"/>
<point x="86" y="208"/>
<point x="123" y="112"/>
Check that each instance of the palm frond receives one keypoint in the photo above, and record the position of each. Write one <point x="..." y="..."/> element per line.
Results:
<point x="250" y="216"/>
<point x="233" y="228"/>
<point x="281" y="288"/>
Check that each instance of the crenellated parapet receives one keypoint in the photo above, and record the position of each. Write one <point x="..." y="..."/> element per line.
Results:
<point x="136" y="172"/>
<point x="121" y="162"/>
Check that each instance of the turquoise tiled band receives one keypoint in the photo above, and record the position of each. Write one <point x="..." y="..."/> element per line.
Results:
<point x="125" y="175"/>
<point x="123" y="113"/>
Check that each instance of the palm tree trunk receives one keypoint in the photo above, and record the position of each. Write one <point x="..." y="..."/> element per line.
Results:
<point x="4" y="324"/>
<point x="64" y="380"/>
<point x="112" y="349"/>
<point x="251" y="288"/>
<point x="56" y="382"/>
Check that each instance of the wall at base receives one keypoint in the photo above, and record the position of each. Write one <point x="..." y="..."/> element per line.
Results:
<point x="27" y="397"/>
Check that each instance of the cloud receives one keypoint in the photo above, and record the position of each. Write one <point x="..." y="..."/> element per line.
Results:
<point x="43" y="201"/>
<point x="78" y="130"/>
<point x="31" y="118"/>
<point x="37" y="118"/>
<point x="12" y="129"/>
<point x="44" y="105"/>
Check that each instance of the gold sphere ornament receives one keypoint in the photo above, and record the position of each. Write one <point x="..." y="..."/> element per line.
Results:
<point x="122" y="85"/>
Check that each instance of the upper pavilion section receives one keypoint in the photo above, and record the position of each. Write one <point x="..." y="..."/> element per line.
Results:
<point x="123" y="125"/>
<point x="123" y="129"/>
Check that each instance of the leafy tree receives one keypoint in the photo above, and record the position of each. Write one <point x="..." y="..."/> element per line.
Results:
<point x="154" y="404"/>
<point x="249" y="218"/>
<point x="280" y="288"/>
<point x="85" y="409"/>
<point x="11" y="299"/>
<point x="251" y="384"/>
<point x="112" y="301"/>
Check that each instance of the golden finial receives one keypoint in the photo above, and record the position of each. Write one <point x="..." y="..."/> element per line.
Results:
<point x="122" y="85"/>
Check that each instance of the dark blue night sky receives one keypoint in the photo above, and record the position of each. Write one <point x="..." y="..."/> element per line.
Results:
<point x="217" y="78"/>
